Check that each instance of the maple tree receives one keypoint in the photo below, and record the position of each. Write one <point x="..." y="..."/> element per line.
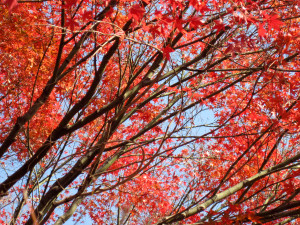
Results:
<point x="150" y="112"/>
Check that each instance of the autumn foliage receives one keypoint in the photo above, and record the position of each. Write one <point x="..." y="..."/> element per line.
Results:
<point x="150" y="112"/>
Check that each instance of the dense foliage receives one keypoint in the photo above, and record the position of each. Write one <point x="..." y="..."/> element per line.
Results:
<point x="150" y="111"/>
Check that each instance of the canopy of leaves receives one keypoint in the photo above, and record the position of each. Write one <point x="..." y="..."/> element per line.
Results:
<point x="150" y="111"/>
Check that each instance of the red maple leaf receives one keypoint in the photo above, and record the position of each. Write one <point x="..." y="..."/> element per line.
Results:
<point x="166" y="52"/>
<point x="136" y="12"/>
<point x="261" y="30"/>
<point x="200" y="6"/>
<point x="195" y="22"/>
<point x="219" y="25"/>
<point x="71" y="23"/>
<point x="274" y="22"/>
